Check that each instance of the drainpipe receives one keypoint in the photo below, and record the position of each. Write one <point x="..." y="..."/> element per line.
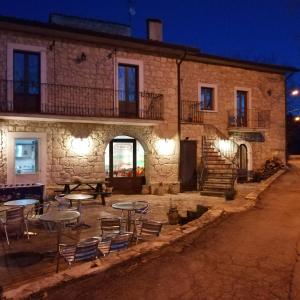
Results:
<point x="178" y="63"/>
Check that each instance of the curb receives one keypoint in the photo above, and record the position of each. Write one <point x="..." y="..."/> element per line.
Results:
<point x="254" y="196"/>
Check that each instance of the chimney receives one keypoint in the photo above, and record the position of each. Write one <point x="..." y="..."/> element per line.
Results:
<point x="155" y="30"/>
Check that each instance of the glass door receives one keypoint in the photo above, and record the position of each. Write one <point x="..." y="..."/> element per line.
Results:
<point x="128" y="90"/>
<point x="242" y="108"/>
<point x="26" y="81"/>
<point x="124" y="164"/>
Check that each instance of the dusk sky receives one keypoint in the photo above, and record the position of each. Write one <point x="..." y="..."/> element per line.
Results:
<point x="265" y="30"/>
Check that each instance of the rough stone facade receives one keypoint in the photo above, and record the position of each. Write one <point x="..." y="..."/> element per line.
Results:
<point x="267" y="92"/>
<point x="159" y="76"/>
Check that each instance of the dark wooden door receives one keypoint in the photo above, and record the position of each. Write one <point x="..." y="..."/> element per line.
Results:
<point x="27" y="91"/>
<point x="188" y="165"/>
<point x="243" y="163"/>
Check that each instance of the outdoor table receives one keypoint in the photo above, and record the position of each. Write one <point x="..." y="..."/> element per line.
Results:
<point x="59" y="217"/>
<point x="129" y="207"/>
<point x="79" y="198"/>
<point x="95" y="186"/>
<point x="21" y="202"/>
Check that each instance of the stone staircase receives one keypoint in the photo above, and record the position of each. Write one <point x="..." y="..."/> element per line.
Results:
<point x="220" y="172"/>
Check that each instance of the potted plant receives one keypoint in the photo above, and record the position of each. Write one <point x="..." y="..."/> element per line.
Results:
<point x="229" y="195"/>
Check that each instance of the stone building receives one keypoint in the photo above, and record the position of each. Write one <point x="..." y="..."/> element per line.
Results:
<point x="85" y="100"/>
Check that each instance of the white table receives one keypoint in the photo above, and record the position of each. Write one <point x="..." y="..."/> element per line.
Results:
<point x="21" y="202"/>
<point x="79" y="198"/>
<point x="59" y="217"/>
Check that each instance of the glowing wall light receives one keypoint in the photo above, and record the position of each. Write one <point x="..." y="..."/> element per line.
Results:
<point x="297" y="119"/>
<point x="226" y="147"/>
<point x="81" y="146"/>
<point x="165" y="146"/>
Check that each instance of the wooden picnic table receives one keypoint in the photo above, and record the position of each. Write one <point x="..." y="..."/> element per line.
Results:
<point x="94" y="187"/>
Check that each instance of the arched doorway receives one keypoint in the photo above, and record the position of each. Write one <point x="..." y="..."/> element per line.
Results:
<point x="125" y="164"/>
<point x="243" y="163"/>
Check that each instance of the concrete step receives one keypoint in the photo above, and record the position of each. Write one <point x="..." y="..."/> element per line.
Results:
<point x="216" y="186"/>
<point x="221" y="171"/>
<point x="212" y="193"/>
<point x="215" y="159"/>
<point x="220" y="179"/>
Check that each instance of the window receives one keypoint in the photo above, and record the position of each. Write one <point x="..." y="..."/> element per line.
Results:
<point x="241" y="108"/>
<point x="128" y="82"/>
<point x="207" y="98"/>
<point x="26" y="72"/>
<point x="26" y="156"/>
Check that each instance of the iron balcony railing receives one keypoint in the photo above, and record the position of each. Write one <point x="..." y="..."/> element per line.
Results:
<point x="251" y="118"/>
<point x="190" y="112"/>
<point x="69" y="100"/>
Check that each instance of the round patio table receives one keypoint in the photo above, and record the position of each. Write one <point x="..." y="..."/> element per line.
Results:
<point x="21" y="202"/>
<point x="129" y="207"/>
<point x="79" y="198"/>
<point x="59" y="217"/>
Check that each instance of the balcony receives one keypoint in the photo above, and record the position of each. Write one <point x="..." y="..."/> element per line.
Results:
<point x="75" y="101"/>
<point x="252" y="118"/>
<point x="190" y="112"/>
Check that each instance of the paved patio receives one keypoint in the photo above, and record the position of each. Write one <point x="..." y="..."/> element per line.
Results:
<point x="26" y="260"/>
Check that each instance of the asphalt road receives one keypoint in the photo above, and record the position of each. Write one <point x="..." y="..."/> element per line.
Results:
<point x="250" y="255"/>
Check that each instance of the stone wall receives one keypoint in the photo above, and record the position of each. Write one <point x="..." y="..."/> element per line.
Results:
<point x="266" y="93"/>
<point x="64" y="163"/>
<point x="63" y="68"/>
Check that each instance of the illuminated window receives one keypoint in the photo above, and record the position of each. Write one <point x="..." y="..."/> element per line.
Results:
<point x="127" y="157"/>
<point x="26" y="156"/>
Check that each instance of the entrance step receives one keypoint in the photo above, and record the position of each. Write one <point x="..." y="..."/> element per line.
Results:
<point x="212" y="193"/>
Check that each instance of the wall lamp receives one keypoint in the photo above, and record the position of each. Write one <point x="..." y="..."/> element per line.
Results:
<point x="81" y="58"/>
<point x="81" y="146"/>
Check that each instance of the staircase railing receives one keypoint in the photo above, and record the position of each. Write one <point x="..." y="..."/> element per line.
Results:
<point x="227" y="148"/>
<point x="203" y="171"/>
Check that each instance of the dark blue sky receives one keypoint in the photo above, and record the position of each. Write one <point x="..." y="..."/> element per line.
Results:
<point x="265" y="30"/>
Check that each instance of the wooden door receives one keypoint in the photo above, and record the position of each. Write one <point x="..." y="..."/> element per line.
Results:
<point x="243" y="163"/>
<point x="188" y="165"/>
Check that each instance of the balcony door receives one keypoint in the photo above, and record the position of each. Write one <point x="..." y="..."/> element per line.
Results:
<point x="128" y="90"/>
<point x="241" y="108"/>
<point x="26" y="81"/>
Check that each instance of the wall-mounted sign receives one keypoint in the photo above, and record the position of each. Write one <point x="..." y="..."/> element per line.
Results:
<point x="248" y="136"/>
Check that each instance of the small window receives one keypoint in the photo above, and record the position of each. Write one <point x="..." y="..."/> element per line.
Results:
<point x="207" y="101"/>
<point x="26" y="156"/>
